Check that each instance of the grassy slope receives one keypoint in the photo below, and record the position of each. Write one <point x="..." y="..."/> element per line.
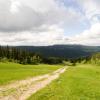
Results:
<point x="78" y="83"/>
<point x="12" y="71"/>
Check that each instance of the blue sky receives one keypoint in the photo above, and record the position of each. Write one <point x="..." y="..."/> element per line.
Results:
<point x="49" y="22"/>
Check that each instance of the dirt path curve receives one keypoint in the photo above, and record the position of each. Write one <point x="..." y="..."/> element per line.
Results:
<point x="22" y="90"/>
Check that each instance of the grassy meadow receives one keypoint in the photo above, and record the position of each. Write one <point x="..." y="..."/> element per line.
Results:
<point x="81" y="82"/>
<point x="12" y="71"/>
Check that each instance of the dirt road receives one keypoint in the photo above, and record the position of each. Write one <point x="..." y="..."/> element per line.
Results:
<point x="21" y="90"/>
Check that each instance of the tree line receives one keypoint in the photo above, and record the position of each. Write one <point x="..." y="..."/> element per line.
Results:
<point x="92" y="59"/>
<point x="14" y="54"/>
<point x="18" y="55"/>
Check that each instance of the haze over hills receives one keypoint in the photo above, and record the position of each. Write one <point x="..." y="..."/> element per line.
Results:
<point x="63" y="51"/>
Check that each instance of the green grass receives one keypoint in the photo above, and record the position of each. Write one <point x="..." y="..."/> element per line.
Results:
<point x="11" y="71"/>
<point x="77" y="83"/>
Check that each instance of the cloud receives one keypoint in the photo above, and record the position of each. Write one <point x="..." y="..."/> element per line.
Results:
<point x="23" y="15"/>
<point x="48" y="37"/>
<point x="88" y="37"/>
<point x="17" y="19"/>
<point x="53" y="35"/>
<point x="91" y="8"/>
<point x="47" y="22"/>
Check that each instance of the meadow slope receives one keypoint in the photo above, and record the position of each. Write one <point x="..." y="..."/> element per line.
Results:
<point x="81" y="82"/>
<point x="10" y="72"/>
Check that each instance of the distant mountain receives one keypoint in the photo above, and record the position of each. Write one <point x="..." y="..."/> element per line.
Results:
<point x="62" y="51"/>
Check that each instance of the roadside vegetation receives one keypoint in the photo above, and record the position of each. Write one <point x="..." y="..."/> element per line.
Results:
<point x="12" y="71"/>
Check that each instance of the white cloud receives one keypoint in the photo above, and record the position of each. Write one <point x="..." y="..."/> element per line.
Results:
<point x="52" y="35"/>
<point x="43" y="22"/>
<point x="14" y="6"/>
<point x="34" y="22"/>
<point x="48" y="37"/>
<point x="88" y="37"/>
<point x="26" y="15"/>
<point x="91" y="9"/>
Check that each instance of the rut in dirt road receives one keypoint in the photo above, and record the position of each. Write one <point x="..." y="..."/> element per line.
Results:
<point x="26" y="88"/>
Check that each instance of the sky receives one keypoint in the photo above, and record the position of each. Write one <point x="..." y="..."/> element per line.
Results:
<point x="49" y="22"/>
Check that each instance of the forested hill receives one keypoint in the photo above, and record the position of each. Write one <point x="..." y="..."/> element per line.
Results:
<point x="63" y="51"/>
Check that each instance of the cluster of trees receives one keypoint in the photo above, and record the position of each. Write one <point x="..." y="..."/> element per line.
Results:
<point x="18" y="55"/>
<point x="52" y="60"/>
<point x="92" y="59"/>
<point x="95" y="58"/>
<point x="21" y="56"/>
